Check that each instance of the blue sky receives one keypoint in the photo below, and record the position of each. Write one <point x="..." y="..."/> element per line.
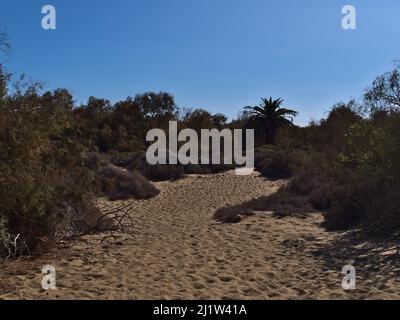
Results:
<point x="219" y="55"/>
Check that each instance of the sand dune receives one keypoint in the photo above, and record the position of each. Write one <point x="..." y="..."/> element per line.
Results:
<point x="176" y="251"/>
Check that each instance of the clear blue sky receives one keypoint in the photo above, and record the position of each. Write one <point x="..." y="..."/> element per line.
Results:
<point x="220" y="55"/>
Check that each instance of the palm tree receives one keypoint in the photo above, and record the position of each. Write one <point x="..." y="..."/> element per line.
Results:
<point x="271" y="116"/>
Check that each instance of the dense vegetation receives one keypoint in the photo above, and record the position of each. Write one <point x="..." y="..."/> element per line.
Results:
<point x="347" y="164"/>
<point x="43" y="182"/>
<point x="57" y="157"/>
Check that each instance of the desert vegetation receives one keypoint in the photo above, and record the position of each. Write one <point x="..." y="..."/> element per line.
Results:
<point x="345" y="165"/>
<point x="57" y="158"/>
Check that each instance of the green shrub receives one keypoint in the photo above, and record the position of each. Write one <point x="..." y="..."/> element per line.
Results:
<point x="43" y="180"/>
<point x="372" y="161"/>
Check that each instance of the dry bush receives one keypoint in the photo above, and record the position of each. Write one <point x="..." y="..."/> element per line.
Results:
<point x="76" y="221"/>
<point x="275" y="168"/>
<point x="307" y="191"/>
<point x="137" y="161"/>
<point x="261" y="153"/>
<point x="372" y="156"/>
<point x="272" y="164"/>
<point x="321" y="188"/>
<point x="11" y="246"/>
<point x="96" y="160"/>
<point x="125" y="160"/>
<point x="41" y="167"/>
<point x="197" y="169"/>
<point x="309" y="157"/>
<point x="120" y="184"/>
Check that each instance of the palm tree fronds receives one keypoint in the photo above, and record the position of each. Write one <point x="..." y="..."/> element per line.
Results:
<point x="271" y="115"/>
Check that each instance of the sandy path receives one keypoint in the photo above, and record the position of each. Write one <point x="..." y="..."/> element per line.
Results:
<point x="178" y="252"/>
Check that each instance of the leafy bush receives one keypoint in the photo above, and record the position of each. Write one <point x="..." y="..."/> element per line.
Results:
<point x="373" y="160"/>
<point x="42" y="174"/>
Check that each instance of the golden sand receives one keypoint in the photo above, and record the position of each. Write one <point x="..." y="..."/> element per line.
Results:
<point x="177" y="251"/>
